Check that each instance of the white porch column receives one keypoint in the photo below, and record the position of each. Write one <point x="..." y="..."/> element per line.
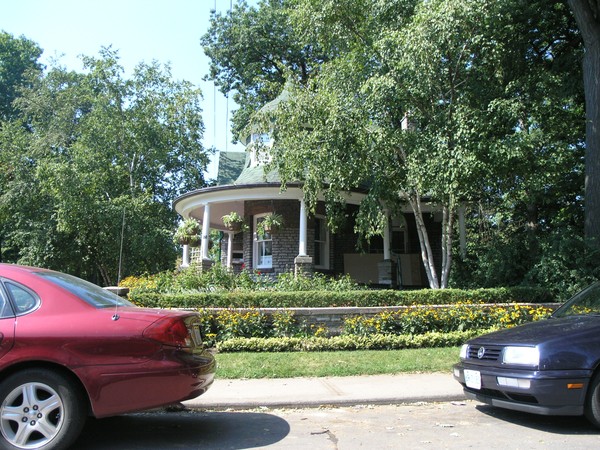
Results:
<point x="386" y="269"/>
<point x="303" y="264"/>
<point x="303" y="229"/>
<point x="185" y="260"/>
<point x="386" y="237"/>
<point x="229" y="249"/>
<point x="205" y="231"/>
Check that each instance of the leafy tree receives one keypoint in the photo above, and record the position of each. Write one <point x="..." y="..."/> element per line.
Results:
<point x="18" y="62"/>
<point x="19" y="59"/>
<point x="250" y="50"/>
<point x="105" y="155"/>
<point x="445" y="101"/>
<point x="536" y="199"/>
<point x="401" y="111"/>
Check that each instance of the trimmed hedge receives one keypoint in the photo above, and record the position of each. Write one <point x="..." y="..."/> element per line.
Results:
<point x="323" y="299"/>
<point x="338" y="343"/>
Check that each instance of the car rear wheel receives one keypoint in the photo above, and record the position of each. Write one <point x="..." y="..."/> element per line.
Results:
<point x="592" y="402"/>
<point x="40" y="409"/>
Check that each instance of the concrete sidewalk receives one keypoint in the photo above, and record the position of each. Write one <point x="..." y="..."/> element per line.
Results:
<point x="334" y="391"/>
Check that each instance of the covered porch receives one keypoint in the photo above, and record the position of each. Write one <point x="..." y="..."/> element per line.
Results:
<point x="304" y="244"/>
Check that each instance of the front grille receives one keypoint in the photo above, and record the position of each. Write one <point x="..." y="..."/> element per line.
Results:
<point x="490" y="352"/>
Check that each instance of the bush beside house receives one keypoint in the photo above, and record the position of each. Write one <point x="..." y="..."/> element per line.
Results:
<point x="326" y="299"/>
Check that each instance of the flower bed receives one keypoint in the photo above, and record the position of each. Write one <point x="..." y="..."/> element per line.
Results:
<point x="222" y="325"/>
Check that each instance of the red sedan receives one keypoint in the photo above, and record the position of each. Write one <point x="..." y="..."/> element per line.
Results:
<point x="69" y="349"/>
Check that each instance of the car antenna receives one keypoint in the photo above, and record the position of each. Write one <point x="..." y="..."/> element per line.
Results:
<point x="116" y="314"/>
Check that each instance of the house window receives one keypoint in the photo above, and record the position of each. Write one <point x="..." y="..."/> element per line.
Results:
<point x="321" y="258"/>
<point x="263" y="247"/>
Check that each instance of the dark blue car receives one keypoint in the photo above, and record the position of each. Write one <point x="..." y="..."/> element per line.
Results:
<point x="547" y="367"/>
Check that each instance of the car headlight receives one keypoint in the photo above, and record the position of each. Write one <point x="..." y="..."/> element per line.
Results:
<point x="526" y="356"/>
<point x="463" y="351"/>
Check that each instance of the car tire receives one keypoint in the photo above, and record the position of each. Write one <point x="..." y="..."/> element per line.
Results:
<point x="592" y="401"/>
<point x="40" y="409"/>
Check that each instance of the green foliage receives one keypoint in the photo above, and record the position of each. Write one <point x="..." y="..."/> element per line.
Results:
<point x="291" y="282"/>
<point x="222" y="289"/>
<point x="476" y="101"/>
<point x="188" y="233"/>
<point x="232" y="324"/>
<point x="459" y="101"/>
<point x="220" y="279"/>
<point x="253" y="330"/>
<point x="269" y="223"/>
<point x="459" y="317"/>
<point x="347" y="343"/>
<point x="95" y="157"/>
<point x="19" y="65"/>
<point x="19" y="61"/>
<point x="235" y="222"/>
<point x="250" y="49"/>
<point x="559" y="260"/>
<point x="285" y="324"/>
<point x="270" y="295"/>
<point x="226" y="324"/>
<point x="404" y="111"/>
<point x="567" y="265"/>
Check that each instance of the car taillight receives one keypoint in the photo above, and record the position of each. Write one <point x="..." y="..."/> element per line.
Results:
<point x="170" y="331"/>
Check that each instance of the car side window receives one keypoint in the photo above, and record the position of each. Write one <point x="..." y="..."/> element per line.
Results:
<point x="24" y="300"/>
<point x="5" y="308"/>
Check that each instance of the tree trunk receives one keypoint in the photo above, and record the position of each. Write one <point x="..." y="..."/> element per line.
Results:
<point x="447" y="227"/>
<point x="105" y="276"/>
<point x="587" y="15"/>
<point x="426" y="253"/>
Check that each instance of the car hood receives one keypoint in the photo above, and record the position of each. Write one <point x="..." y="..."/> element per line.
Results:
<point x="564" y="343"/>
<point x="544" y="331"/>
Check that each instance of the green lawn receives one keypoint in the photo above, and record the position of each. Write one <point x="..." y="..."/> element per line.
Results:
<point x="323" y="364"/>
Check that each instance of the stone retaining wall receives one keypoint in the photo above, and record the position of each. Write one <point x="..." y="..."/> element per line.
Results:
<point x="333" y="318"/>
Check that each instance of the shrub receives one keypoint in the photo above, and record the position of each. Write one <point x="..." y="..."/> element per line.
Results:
<point x="220" y="279"/>
<point x="230" y="324"/>
<point x="316" y="299"/>
<point x="419" y="320"/>
<point x="285" y="324"/>
<point x="339" y="343"/>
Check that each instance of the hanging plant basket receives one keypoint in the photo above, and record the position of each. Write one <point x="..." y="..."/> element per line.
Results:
<point x="270" y="224"/>
<point x="194" y="241"/>
<point x="234" y="222"/>
<point x="188" y="233"/>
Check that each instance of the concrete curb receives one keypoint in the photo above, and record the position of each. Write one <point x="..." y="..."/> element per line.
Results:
<point x="329" y="391"/>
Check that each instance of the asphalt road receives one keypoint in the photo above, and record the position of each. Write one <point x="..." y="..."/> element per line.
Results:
<point x="454" y="425"/>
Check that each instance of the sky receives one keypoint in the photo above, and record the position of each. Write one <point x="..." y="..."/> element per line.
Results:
<point x="167" y="31"/>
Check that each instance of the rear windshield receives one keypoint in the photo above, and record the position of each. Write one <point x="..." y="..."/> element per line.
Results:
<point x="88" y="292"/>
